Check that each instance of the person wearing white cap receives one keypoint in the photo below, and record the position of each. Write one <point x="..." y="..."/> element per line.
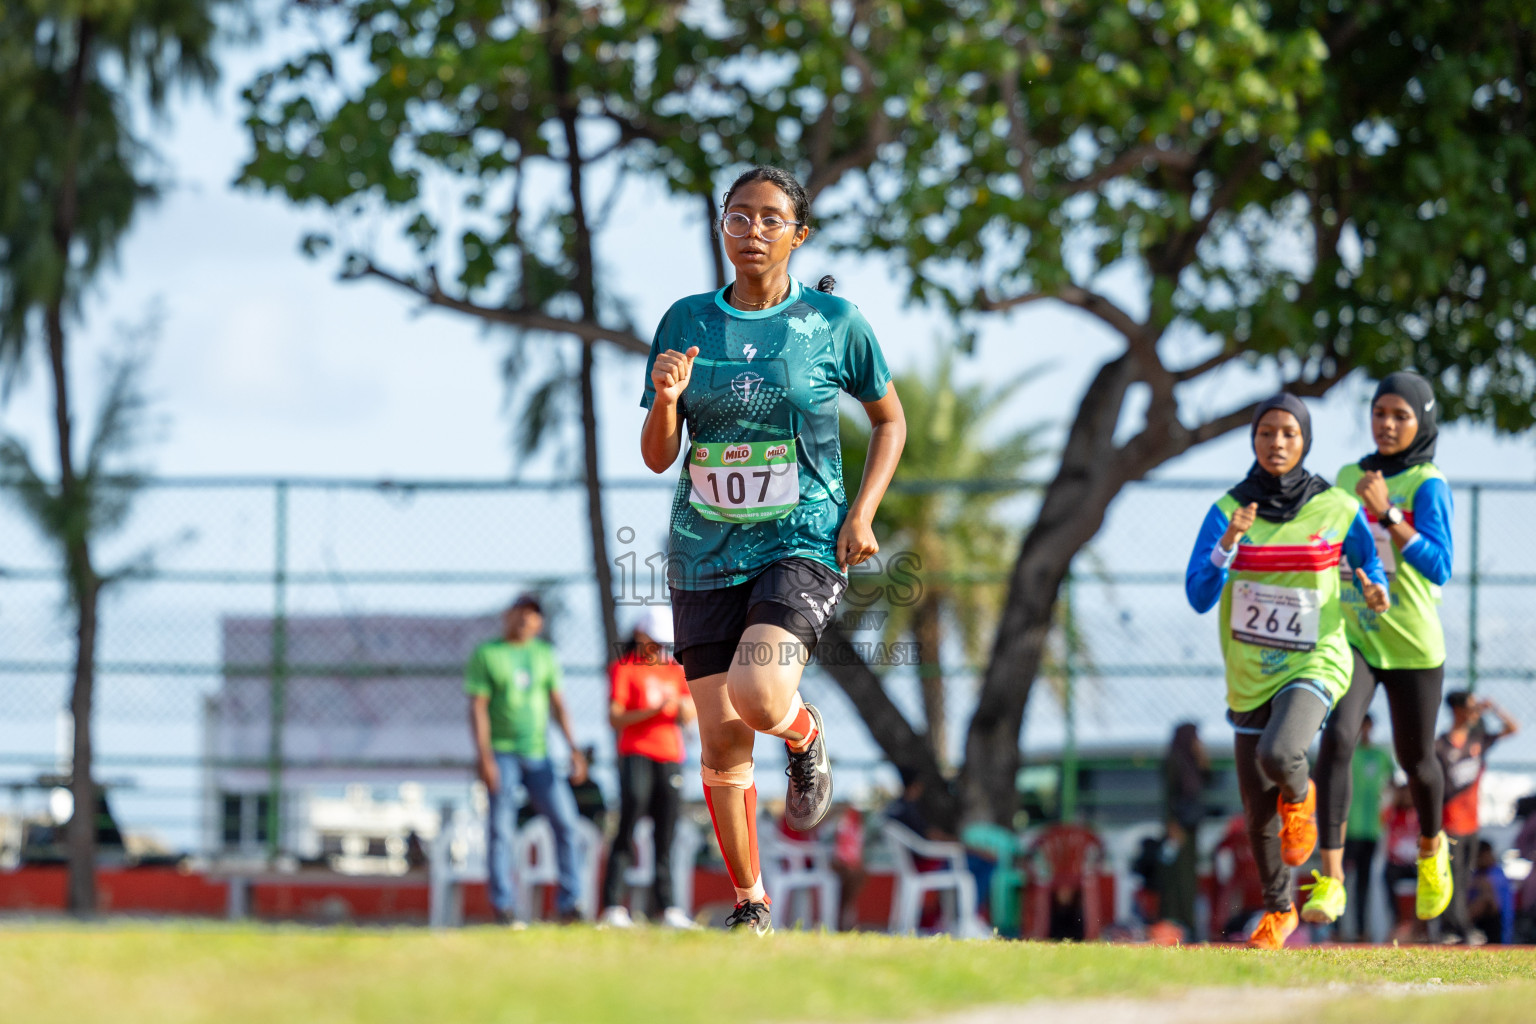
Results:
<point x="648" y="703"/>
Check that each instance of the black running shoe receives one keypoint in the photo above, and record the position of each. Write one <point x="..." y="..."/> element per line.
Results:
<point x="750" y="916"/>
<point x="810" y="781"/>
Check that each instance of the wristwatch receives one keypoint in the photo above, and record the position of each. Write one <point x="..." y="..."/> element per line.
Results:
<point x="1392" y="516"/>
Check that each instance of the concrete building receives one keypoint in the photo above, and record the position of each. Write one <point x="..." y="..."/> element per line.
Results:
<point x="374" y="736"/>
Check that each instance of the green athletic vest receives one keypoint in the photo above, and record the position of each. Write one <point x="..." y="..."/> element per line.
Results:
<point x="1281" y="619"/>
<point x="1409" y="634"/>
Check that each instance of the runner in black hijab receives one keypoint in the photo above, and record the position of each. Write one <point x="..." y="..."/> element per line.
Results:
<point x="1401" y="651"/>
<point x="1414" y="390"/>
<point x="1279" y="498"/>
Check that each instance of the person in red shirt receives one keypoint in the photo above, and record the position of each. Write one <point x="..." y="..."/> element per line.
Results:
<point x="1463" y="753"/>
<point x="647" y="704"/>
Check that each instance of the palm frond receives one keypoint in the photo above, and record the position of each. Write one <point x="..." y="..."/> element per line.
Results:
<point x="542" y="415"/>
<point x="949" y="438"/>
<point x="123" y="427"/>
<point x="1001" y="394"/>
<point x="25" y="485"/>
<point x="142" y="563"/>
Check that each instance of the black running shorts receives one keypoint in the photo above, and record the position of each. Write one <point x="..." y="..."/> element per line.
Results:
<point x="796" y="594"/>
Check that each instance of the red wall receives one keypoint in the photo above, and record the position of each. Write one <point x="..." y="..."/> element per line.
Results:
<point x="314" y="898"/>
<point x="125" y="891"/>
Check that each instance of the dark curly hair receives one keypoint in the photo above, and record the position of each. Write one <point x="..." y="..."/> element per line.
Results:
<point x="786" y="183"/>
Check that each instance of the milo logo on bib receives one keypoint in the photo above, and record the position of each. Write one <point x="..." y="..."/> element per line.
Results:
<point x="744" y="482"/>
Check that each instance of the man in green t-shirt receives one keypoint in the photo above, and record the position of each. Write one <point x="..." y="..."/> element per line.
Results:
<point x="514" y="685"/>
<point x="1370" y="771"/>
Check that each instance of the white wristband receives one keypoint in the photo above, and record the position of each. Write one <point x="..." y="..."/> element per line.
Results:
<point x="1221" y="558"/>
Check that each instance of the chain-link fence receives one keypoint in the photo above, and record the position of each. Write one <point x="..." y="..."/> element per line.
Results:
<point x="345" y="609"/>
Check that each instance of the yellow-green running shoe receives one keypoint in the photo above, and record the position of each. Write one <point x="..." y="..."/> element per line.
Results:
<point x="1327" y="901"/>
<point x="1435" y="885"/>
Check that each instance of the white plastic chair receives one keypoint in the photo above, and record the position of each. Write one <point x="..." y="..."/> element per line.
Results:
<point x="794" y="869"/>
<point x="534" y="864"/>
<point x="685" y="853"/>
<point x="456" y="857"/>
<point x="954" y="883"/>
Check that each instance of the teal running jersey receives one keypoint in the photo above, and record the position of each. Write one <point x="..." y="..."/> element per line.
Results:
<point x="762" y="475"/>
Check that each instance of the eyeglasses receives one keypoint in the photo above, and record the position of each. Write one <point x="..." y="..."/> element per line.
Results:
<point x="771" y="229"/>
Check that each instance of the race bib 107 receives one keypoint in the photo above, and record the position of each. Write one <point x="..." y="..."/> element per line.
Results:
<point x="1274" y="616"/>
<point x="744" y="482"/>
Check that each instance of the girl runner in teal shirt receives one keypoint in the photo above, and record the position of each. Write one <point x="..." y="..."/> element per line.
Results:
<point x="762" y="530"/>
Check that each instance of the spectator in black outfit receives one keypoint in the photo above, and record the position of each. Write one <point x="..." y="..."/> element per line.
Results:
<point x="1186" y="774"/>
<point x="589" y="796"/>
<point x="907" y="809"/>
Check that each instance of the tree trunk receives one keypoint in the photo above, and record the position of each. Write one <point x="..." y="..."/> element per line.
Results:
<point x="903" y="745"/>
<point x="1088" y="479"/>
<point x="75" y="529"/>
<point x="84" y="588"/>
<point x="81" y="831"/>
<point x="711" y="236"/>
<point x="600" y="566"/>
<point x="586" y="292"/>
<point x="926" y="630"/>
<point x="1092" y="473"/>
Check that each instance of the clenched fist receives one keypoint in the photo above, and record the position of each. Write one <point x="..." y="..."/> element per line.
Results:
<point x="669" y="376"/>
<point x="855" y="542"/>
<point x="1372" y="489"/>
<point x="1240" y="523"/>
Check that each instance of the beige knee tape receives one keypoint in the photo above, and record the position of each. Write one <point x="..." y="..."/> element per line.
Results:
<point x="789" y="718"/>
<point x="741" y="779"/>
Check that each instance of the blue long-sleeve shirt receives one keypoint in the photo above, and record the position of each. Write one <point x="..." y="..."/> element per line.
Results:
<point x="1206" y="574"/>
<point x="1432" y="550"/>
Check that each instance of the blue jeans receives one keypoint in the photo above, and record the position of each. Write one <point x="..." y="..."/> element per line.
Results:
<point x="551" y="797"/>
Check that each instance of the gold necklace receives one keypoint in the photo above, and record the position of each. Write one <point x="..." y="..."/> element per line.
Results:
<point x="736" y="299"/>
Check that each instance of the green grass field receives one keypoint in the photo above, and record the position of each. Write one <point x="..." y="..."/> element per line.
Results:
<point x="182" y="973"/>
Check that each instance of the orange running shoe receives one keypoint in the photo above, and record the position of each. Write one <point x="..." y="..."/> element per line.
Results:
<point x="1298" y="828"/>
<point x="1274" y="928"/>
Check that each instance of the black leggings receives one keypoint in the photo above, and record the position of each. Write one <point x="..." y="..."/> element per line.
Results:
<point x="1413" y="697"/>
<point x="1271" y="765"/>
<point x="1361" y="854"/>
<point x="651" y="788"/>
